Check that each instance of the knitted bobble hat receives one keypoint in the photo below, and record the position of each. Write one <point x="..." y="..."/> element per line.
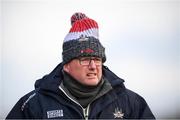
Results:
<point x="82" y="39"/>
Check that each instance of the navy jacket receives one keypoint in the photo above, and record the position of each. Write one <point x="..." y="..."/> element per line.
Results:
<point x="49" y="101"/>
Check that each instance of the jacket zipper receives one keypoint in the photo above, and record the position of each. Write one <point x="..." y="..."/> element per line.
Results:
<point x="85" y="110"/>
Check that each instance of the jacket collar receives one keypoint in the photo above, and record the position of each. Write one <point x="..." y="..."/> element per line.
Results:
<point x="113" y="78"/>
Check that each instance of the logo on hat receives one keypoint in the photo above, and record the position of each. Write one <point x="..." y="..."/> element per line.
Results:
<point x="83" y="38"/>
<point x="88" y="50"/>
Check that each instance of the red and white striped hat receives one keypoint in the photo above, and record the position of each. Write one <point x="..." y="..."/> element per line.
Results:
<point x="82" y="39"/>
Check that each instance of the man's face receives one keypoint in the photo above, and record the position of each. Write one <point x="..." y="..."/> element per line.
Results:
<point x="86" y="70"/>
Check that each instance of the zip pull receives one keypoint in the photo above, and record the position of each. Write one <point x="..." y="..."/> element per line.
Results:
<point x="86" y="112"/>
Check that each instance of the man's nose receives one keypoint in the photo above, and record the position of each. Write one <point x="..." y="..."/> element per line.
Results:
<point x="92" y="64"/>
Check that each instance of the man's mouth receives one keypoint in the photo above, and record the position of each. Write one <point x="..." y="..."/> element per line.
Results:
<point x="91" y="74"/>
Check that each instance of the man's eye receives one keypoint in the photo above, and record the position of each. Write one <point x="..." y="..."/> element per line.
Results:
<point x="85" y="59"/>
<point x="97" y="59"/>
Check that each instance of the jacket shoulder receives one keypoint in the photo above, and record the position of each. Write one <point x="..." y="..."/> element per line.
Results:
<point x="133" y="95"/>
<point x="28" y="98"/>
<point x="18" y="111"/>
<point x="137" y="104"/>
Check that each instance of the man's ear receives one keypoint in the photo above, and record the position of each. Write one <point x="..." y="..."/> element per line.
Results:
<point x="66" y="68"/>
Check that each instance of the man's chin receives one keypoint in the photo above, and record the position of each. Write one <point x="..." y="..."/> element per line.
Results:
<point x="92" y="82"/>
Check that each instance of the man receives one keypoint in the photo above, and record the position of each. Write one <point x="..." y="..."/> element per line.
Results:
<point x="81" y="87"/>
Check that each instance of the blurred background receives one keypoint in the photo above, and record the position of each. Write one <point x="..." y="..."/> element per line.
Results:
<point x="141" y="37"/>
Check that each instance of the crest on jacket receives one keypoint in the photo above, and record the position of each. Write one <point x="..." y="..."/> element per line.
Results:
<point x="118" y="113"/>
